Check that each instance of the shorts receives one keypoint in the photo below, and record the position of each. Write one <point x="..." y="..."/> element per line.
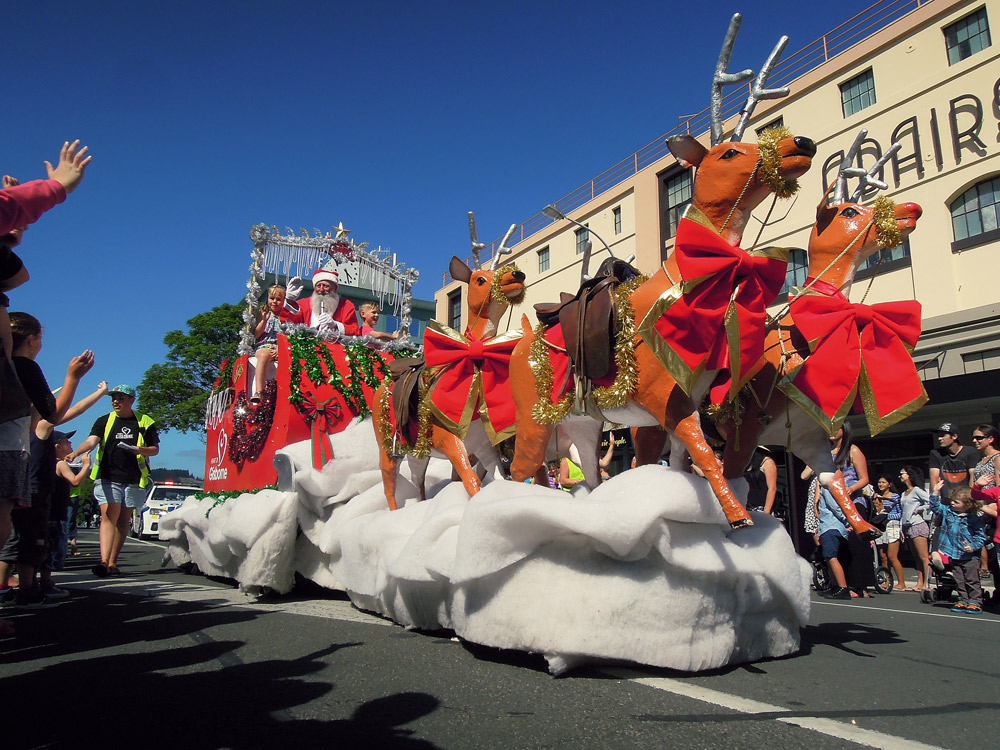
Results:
<point x="132" y="495"/>
<point x="15" y="481"/>
<point x="893" y="533"/>
<point x="29" y="535"/>
<point x="917" y="529"/>
<point x="831" y="542"/>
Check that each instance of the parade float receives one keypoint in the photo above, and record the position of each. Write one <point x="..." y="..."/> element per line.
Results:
<point x="319" y="383"/>
<point x="654" y="566"/>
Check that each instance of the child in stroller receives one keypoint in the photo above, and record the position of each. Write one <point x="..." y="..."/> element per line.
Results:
<point x="955" y="548"/>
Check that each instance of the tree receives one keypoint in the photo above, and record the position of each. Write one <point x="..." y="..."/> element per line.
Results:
<point x="175" y="392"/>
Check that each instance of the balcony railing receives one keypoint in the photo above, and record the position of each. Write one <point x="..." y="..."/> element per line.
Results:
<point x="874" y="18"/>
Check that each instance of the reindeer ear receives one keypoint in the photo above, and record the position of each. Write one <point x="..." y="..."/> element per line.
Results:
<point x="688" y="150"/>
<point x="458" y="270"/>
<point x="825" y="212"/>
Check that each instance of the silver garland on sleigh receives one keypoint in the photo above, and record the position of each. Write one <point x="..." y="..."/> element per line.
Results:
<point x="277" y="252"/>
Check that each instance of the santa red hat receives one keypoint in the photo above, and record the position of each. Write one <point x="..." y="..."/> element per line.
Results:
<point x="322" y="274"/>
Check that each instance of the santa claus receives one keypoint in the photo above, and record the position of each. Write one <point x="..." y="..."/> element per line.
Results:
<point x="324" y="309"/>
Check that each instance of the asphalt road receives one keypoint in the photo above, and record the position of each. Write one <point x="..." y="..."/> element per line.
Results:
<point x="158" y="658"/>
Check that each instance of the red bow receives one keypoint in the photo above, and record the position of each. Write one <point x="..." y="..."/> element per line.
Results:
<point x="856" y="348"/>
<point x="709" y="326"/>
<point x="472" y="370"/>
<point x="322" y="417"/>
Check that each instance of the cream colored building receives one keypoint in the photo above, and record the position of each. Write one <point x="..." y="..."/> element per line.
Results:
<point x="927" y="76"/>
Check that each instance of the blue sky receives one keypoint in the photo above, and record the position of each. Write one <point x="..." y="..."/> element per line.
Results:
<point x="396" y="118"/>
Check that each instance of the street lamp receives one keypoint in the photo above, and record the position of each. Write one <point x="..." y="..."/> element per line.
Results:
<point x="556" y="215"/>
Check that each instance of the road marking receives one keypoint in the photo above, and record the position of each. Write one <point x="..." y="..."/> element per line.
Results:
<point x="829" y="727"/>
<point x="328" y="609"/>
<point x="958" y="615"/>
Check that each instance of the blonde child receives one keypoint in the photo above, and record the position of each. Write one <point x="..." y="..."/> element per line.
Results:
<point x="960" y="539"/>
<point x="268" y="318"/>
<point x="369" y="319"/>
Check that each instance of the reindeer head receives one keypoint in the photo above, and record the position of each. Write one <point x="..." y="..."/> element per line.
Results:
<point x="734" y="178"/>
<point x="491" y="292"/>
<point x="847" y="232"/>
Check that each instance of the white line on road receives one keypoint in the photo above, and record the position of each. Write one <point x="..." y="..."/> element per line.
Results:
<point x="960" y="616"/>
<point x="829" y="727"/>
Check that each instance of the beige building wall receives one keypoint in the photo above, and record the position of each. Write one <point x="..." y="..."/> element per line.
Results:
<point x="919" y="96"/>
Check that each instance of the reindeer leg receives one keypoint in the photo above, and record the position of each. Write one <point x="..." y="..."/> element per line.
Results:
<point x="454" y="449"/>
<point x="838" y="489"/>
<point x="688" y="430"/>
<point x="389" y="466"/>
<point x="648" y="443"/>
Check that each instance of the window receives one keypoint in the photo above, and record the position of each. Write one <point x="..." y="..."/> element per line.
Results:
<point x="798" y="269"/>
<point x="888" y="256"/>
<point x="678" y="195"/>
<point x="858" y="93"/>
<point x="967" y="36"/>
<point x="778" y="123"/>
<point x="543" y="259"/>
<point x="582" y="237"/>
<point x="455" y="309"/>
<point x="975" y="214"/>
<point x="988" y="359"/>
<point x="617" y="212"/>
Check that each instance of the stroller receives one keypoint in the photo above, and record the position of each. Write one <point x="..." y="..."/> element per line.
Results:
<point x="821" y="576"/>
<point x="944" y="585"/>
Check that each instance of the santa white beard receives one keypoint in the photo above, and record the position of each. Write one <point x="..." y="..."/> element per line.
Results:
<point x="324" y="303"/>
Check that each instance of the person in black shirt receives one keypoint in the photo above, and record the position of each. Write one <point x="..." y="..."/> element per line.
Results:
<point x="125" y="441"/>
<point x="951" y="461"/>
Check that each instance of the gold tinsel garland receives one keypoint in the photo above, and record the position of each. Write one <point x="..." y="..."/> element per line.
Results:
<point x="887" y="232"/>
<point x="497" y="293"/>
<point x="617" y="394"/>
<point x="422" y="448"/>
<point x="770" y="162"/>
<point x="544" y="411"/>
<point x="613" y="396"/>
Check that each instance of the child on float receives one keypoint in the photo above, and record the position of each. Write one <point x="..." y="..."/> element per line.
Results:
<point x="960" y="539"/>
<point x="269" y="318"/>
<point x="369" y="312"/>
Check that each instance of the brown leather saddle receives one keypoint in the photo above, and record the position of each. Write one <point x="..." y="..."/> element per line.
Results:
<point x="407" y="375"/>
<point x="589" y="319"/>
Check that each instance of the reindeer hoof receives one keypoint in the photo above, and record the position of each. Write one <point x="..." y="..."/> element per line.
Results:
<point x="741" y="523"/>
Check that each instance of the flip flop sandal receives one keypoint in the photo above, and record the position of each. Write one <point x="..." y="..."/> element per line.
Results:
<point x="113" y="571"/>
<point x="100" y="570"/>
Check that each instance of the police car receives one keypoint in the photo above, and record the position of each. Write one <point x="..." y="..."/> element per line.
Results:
<point x="163" y="497"/>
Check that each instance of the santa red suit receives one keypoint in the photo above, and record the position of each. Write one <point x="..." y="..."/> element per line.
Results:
<point x="344" y="317"/>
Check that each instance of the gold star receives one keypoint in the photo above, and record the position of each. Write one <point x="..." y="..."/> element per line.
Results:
<point x="341" y="232"/>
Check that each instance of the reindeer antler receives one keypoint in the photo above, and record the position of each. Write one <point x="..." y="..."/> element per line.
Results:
<point x="503" y="249"/>
<point x="474" y="237"/>
<point x="868" y="178"/>
<point x="722" y="78"/>
<point x="758" y="92"/>
<point x="847" y="169"/>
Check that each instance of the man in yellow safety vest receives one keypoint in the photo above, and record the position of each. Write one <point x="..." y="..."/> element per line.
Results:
<point x="125" y="440"/>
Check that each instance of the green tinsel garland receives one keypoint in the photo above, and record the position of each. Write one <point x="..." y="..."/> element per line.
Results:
<point x="366" y="367"/>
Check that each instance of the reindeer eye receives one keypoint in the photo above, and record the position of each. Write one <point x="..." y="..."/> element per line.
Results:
<point x="850" y="213"/>
<point x="481" y="280"/>
<point x="730" y="154"/>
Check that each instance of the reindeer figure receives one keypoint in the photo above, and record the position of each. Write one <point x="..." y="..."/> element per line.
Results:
<point x="731" y="181"/>
<point x="846" y="233"/>
<point x="463" y="392"/>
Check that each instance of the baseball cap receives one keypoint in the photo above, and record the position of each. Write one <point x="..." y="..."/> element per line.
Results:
<point x="124" y="389"/>
<point x="948" y="427"/>
<point x="58" y="437"/>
